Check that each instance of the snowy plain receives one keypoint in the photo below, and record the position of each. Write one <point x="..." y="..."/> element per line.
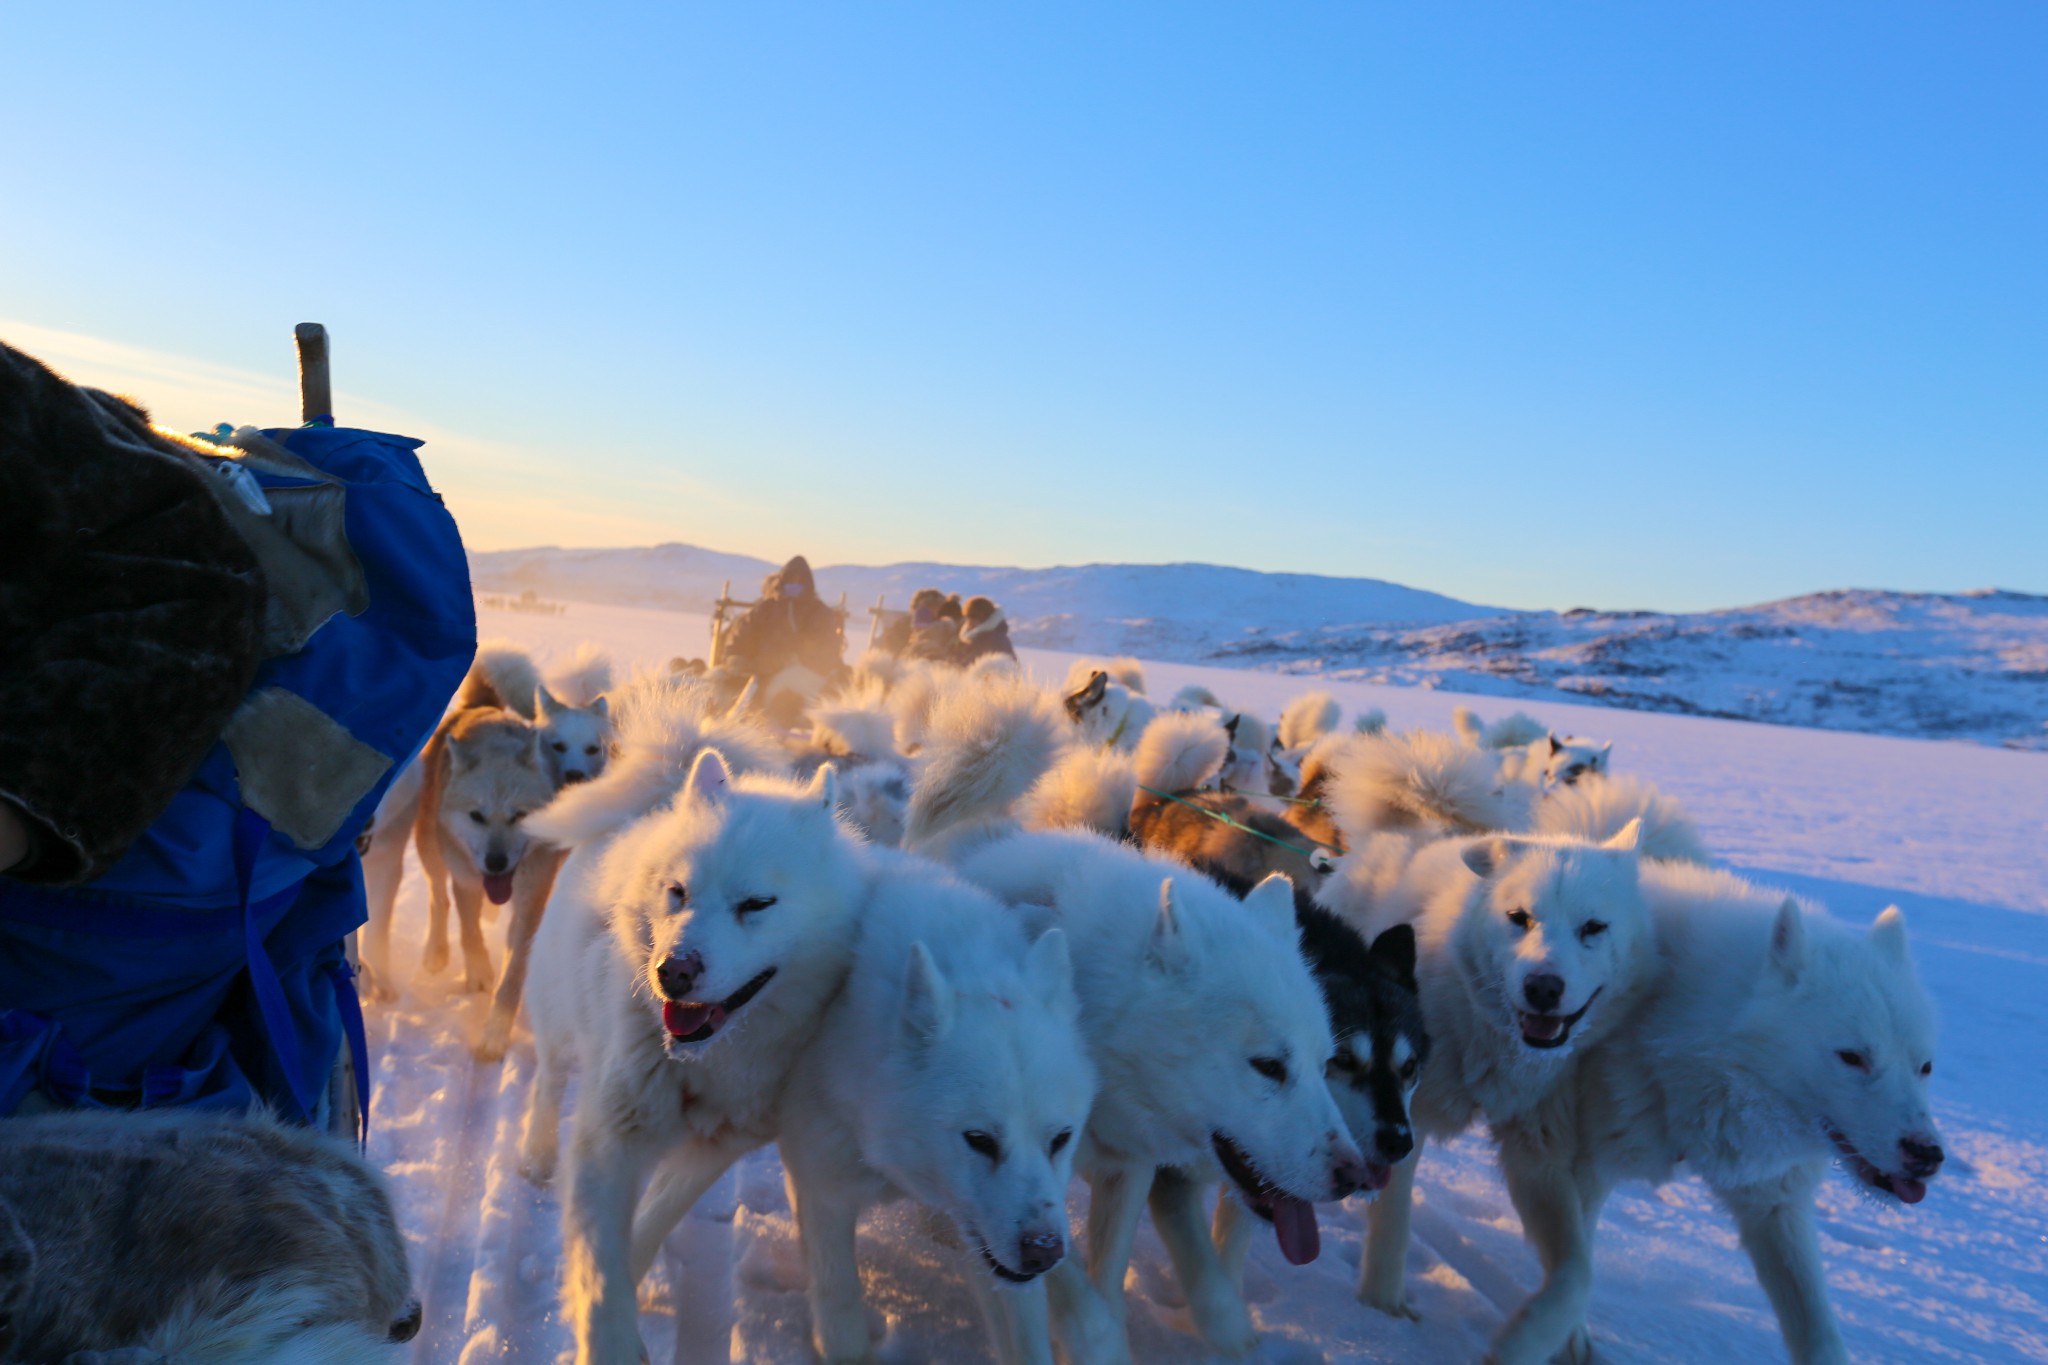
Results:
<point x="1955" y="833"/>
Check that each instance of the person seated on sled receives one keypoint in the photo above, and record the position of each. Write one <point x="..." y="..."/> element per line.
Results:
<point x="939" y="642"/>
<point x="923" y="613"/>
<point x="984" y="631"/>
<point x="789" y="642"/>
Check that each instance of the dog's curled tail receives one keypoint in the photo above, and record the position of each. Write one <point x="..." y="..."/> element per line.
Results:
<point x="1370" y="722"/>
<point x="1597" y="809"/>
<point x="855" y="721"/>
<point x="1127" y="671"/>
<point x="1421" y="778"/>
<point x="1181" y="750"/>
<point x="586" y="676"/>
<point x="1469" y="727"/>
<point x="985" y="746"/>
<point x="1089" y="788"/>
<point x="1307" y="719"/>
<point x="501" y="675"/>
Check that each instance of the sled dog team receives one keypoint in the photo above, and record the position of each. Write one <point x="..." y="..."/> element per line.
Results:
<point x="970" y="937"/>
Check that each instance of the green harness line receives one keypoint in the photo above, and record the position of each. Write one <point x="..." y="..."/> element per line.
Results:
<point x="1223" y="817"/>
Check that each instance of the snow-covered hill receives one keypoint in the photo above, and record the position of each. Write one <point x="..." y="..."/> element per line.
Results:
<point x="1968" y="666"/>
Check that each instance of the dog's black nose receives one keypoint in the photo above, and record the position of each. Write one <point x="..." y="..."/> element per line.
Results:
<point x="1922" y="1158"/>
<point x="407" y="1327"/>
<point x="1039" y="1252"/>
<point x="572" y="777"/>
<point x="679" y="974"/>
<point x="494" y="863"/>
<point x="1394" y="1140"/>
<point x="1544" y="991"/>
<point x="1348" y="1175"/>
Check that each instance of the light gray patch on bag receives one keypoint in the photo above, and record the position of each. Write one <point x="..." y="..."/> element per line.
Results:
<point x="299" y="768"/>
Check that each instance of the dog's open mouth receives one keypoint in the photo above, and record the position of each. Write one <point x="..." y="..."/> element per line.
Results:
<point x="1003" y="1272"/>
<point x="692" y="1021"/>
<point x="1293" y="1220"/>
<point x="498" y="886"/>
<point x="1903" y="1188"/>
<point x="1553" y="1030"/>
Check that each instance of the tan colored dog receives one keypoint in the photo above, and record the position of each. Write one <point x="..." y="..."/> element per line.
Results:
<point x="482" y="774"/>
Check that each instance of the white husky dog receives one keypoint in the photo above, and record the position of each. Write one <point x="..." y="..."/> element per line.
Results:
<point x="1527" y="950"/>
<point x="1209" y="1035"/>
<point x="1108" y="713"/>
<point x="1773" y="1041"/>
<point x="687" y="962"/>
<point x="575" y="716"/>
<point x="951" y="1070"/>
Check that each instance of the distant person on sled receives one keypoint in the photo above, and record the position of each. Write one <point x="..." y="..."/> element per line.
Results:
<point x="792" y="644"/>
<point x="214" y="656"/>
<point x="984" y="630"/>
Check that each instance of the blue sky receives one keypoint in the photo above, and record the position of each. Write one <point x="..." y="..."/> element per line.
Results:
<point x="1538" y="305"/>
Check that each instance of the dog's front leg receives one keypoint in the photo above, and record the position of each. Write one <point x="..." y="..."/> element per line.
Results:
<point x="1558" y="1219"/>
<point x="1116" y="1201"/>
<point x="434" y="868"/>
<point x="1383" y="1274"/>
<point x="1776" y="1223"/>
<point x="680" y="1180"/>
<point x="1232" y="1232"/>
<point x="1018" y="1317"/>
<point x="1089" y="1334"/>
<point x="597" y="1229"/>
<point x="534" y="884"/>
<point x="1218" y="1309"/>
<point x="469" y="914"/>
<point x="827" y="1214"/>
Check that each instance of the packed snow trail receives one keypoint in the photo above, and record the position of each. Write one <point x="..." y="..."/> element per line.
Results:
<point x="1956" y="834"/>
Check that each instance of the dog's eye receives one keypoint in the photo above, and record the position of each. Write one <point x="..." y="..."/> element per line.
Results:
<point x="1521" y="919"/>
<point x="479" y="817"/>
<point x="1272" y="1068"/>
<point x="1591" y="930"/>
<point x="1927" y="1068"/>
<point x="678" y="895"/>
<point x="1345" y="1062"/>
<point x="1060" y="1141"/>
<point x="517" y="816"/>
<point x="983" y="1143"/>
<point x="754" y="904"/>
<point x="590" y="749"/>
<point x="561" y="747"/>
<point x="1409" y="1068"/>
<point x="1851" y="1057"/>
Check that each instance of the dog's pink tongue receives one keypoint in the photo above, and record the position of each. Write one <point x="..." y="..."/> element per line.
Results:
<point x="1909" y="1191"/>
<point x="683" y="1018"/>
<point x="1542" y="1027"/>
<point x="498" y="886"/>
<point x="1294" y="1223"/>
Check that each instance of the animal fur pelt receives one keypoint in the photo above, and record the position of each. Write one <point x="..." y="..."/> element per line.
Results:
<point x="204" y="1239"/>
<point x="1597" y="810"/>
<point x="132" y="613"/>
<point x="1089" y="788"/>
<point x="985" y="747"/>
<point x="1307" y="719"/>
<point x="1421" y="779"/>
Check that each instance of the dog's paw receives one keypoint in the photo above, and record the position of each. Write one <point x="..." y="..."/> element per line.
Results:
<point x="1577" y="1351"/>
<point x="1225" y="1325"/>
<point x="435" y="960"/>
<point x="477" y="976"/>
<point x="1394" y="1304"/>
<point x="537" y="1167"/>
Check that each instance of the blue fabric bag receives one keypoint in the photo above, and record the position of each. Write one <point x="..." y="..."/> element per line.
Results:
<point x="207" y="966"/>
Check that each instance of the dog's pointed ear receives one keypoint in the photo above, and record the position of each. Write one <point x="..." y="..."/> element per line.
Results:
<point x="1049" y="967"/>
<point x="545" y="704"/>
<point x="531" y="755"/>
<point x="603" y="708"/>
<point x="710" y="778"/>
<point x="1394" y="950"/>
<point x="1230" y="726"/>
<point x="1607" y="748"/>
<point x="824" y="788"/>
<point x="1554" y="744"/>
<point x="1485" y="856"/>
<point x="1628" y="838"/>
<point x="1788" y="940"/>
<point x="1168" y="950"/>
<point x="1888" y="935"/>
<point x="459" y="756"/>
<point x="927" y="997"/>
<point x="1272" y="905"/>
<point x="744" y="702"/>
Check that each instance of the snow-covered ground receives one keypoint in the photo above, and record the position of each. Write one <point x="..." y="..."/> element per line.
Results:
<point x="1930" y="665"/>
<point x="1956" y="834"/>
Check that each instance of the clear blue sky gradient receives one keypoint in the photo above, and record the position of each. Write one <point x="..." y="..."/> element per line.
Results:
<point x="1534" y="304"/>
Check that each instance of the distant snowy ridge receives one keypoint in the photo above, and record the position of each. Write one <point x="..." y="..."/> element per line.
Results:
<point x="1971" y="666"/>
